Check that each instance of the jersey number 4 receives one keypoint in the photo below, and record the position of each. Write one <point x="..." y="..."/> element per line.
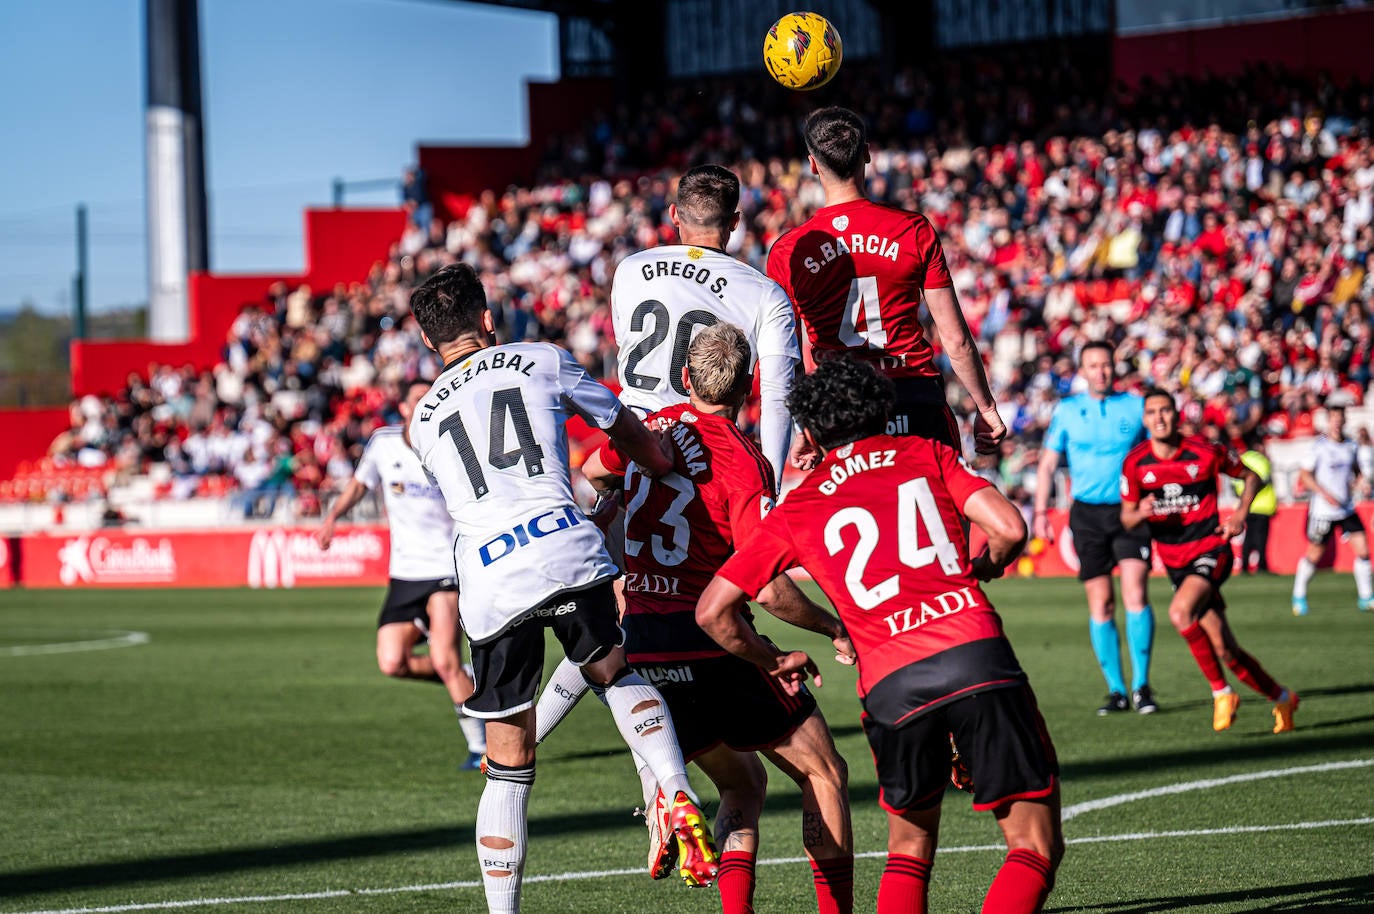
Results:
<point x="863" y="296"/>
<point x="507" y="408"/>
<point x="916" y="508"/>
<point x="687" y="326"/>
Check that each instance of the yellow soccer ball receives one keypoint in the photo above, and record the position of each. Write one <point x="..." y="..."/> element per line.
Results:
<point x="802" y="51"/>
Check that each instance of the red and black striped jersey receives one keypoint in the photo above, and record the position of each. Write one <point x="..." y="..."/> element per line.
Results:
<point x="681" y="527"/>
<point x="1184" y="522"/>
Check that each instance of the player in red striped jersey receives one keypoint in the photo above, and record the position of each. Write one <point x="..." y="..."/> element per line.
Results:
<point x="879" y="525"/>
<point x="1170" y="482"/>
<point x="857" y="272"/>
<point x="679" y="529"/>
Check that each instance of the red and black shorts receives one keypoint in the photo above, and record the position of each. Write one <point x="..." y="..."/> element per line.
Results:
<point x="408" y="601"/>
<point x="920" y="410"/>
<point x="1215" y="566"/>
<point x="1001" y="738"/>
<point x="726" y="700"/>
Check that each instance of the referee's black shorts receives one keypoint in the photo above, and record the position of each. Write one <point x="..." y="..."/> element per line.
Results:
<point x="1100" y="540"/>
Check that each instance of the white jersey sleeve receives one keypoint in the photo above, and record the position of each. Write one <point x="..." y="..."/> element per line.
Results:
<point x="366" y="471"/>
<point x="491" y="432"/>
<point x="420" y="526"/>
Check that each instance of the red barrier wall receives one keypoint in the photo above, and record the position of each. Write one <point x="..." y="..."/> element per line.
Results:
<point x="26" y="434"/>
<point x="342" y="245"/>
<point x="267" y="557"/>
<point x="1305" y="44"/>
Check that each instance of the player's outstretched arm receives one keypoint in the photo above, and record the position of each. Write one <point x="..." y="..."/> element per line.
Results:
<point x="719" y="613"/>
<point x="784" y="599"/>
<point x="1004" y="526"/>
<point x="958" y="343"/>
<point x="1234" y="525"/>
<point x="639" y="444"/>
<point x="351" y="495"/>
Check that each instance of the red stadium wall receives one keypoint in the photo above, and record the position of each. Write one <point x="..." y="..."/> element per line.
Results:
<point x="26" y="434"/>
<point x="457" y="174"/>
<point x="341" y="246"/>
<point x="1305" y="44"/>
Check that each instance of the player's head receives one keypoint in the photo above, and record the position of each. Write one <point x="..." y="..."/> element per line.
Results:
<point x="1095" y="364"/>
<point x="1161" y="414"/>
<point x="717" y="371"/>
<point x="411" y="394"/>
<point x="707" y="202"/>
<point x="837" y="142"/>
<point x="843" y="400"/>
<point x="1335" y="414"/>
<point x="451" y="304"/>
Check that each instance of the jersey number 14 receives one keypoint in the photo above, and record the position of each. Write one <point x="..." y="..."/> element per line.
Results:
<point x="507" y="408"/>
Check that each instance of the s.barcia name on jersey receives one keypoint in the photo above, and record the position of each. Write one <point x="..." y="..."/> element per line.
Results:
<point x="857" y="244"/>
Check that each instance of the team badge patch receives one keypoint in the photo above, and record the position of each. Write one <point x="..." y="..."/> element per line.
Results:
<point x="1192" y="470"/>
<point x="840" y="222"/>
<point x="695" y="254"/>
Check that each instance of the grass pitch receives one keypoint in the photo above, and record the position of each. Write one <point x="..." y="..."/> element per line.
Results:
<point x="249" y="756"/>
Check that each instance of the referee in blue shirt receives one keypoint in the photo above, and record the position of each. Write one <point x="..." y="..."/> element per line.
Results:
<point x="1095" y="431"/>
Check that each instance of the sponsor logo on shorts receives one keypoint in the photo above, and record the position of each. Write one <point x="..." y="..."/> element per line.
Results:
<point x="660" y="674"/>
<point x="526" y="532"/>
<point x="900" y="425"/>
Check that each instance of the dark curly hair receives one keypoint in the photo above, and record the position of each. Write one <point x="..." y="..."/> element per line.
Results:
<point x="450" y="303"/>
<point x="843" y="400"/>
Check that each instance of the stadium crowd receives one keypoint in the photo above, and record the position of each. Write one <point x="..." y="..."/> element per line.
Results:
<point x="1219" y="231"/>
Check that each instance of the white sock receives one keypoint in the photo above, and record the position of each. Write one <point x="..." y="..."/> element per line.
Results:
<point x="501" y="835"/>
<point x="561" y="694"/>
<point x="642" y="716"/>
<point x="474" y="730"/>
<point x="1305" y="571"/>
<point x="648" y="784"/>
<point x="1364" y="581"/>
<point x="1217" y="693"/>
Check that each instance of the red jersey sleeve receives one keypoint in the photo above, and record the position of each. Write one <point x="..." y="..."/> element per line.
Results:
<point x="1130" y="482"/>
<point x="1228" y="462"/>
<point x="779" y="270"/>
<point x="959" y="479"/>
<point x="767" y="553"/>
<point x="611" y="459"/>
<point x="937" y="271"/>
<point x="750" y="499"/>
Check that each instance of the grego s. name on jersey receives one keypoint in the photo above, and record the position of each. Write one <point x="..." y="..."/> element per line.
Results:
<point x="491" y="433"/>
<point x="661" y="298"/>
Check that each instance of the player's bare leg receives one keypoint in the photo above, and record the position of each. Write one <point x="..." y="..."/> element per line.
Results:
<point x="911" y="840"/>
<point x="1248" y="670"/>
<point x="641" y="715"/>
<point x="396" y="655"/>
<point x="742" y="783"/>
<point x="445" y="652"/>
<point x="1186" y="611"/>
<point x="1140" y="630"/>
<point x="809" y="757"/>
<point x="1035" y="845"/>
<point x="1307" y="568"/>
<point x="502" y="813"/>
<point x="1105" y="641"/>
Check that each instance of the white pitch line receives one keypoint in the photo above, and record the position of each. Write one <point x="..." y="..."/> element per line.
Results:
<point x="602" y="874"/>
<point x="1076" y="809"/>
<point x="119" y="639"/>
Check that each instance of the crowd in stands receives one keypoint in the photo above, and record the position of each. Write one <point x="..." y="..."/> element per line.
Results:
<point x="1219" y="231"/>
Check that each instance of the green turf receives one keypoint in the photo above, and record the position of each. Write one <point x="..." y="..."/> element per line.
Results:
<point x="251" y="748"/>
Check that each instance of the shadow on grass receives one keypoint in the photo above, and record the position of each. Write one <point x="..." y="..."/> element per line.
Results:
<point x="1355" y="894"/>
<point x="458" y="838"/>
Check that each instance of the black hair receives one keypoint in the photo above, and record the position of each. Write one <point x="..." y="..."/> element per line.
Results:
<point x="843" y="400"/>
<point x="449" y="304"/>
<point x="1097" y="344"/>
<point x="837" y="139"/>
<point x="1151" y="392"/>
<point x="708" y="195"/>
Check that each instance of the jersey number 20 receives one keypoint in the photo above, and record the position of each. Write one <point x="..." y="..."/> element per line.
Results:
<point x="507" y="407"/>
<point x="682" y="338"/>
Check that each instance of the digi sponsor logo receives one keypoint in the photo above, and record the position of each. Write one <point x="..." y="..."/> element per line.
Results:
<point x="98" y="560"/>
<point x="526" y="532"/>
<point x="278" y="558"/>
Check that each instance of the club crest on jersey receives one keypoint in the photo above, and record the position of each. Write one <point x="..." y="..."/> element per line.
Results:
<point x="695" y="253"/>
<point x="1192" y="470"/>
<point x="840" y="222"/>
<point x="845" y="451"/>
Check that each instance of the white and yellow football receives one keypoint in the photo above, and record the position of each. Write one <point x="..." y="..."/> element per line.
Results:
<point x="802" y="51"/>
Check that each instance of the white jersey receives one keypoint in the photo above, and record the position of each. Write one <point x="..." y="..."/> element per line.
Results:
<point x="421" y="530"/>
<point x="1333" y="463"/>
<point x="491" y="433"/>
<point x="661" y="298"/>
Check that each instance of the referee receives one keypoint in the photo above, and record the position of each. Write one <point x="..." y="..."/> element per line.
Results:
<point x="1094" y="431"/>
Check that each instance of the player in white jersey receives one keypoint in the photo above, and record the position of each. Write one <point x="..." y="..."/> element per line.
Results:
<point x="491" y="433"/>
<point x="1329" y="472"/>
<point x="661" y="298"/>
<point x="422" y="596"/>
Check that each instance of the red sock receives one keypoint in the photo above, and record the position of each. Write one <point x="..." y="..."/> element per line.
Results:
<point x="735" y="881"/>
<point x="1206" y="658"/>
<point x="1249" y="671"/>
<point x="1022" y="884"/>
<point x="905" y="886"/>
<point x="834" y="878"/>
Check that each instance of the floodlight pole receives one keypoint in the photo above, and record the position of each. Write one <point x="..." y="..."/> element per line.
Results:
<point x="79" y="281"/>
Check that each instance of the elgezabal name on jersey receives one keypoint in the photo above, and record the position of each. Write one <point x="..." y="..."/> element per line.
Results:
<point x="939" y="606"/>
<point x="488" y="362"/>
<point x="857" y="244"/>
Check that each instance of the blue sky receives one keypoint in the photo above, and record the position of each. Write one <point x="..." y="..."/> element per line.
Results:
<point x="295" y="93"/>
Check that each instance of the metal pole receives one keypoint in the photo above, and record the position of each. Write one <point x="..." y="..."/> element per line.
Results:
<point x="79" y="283"/>
<point x="338" y="193"/>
